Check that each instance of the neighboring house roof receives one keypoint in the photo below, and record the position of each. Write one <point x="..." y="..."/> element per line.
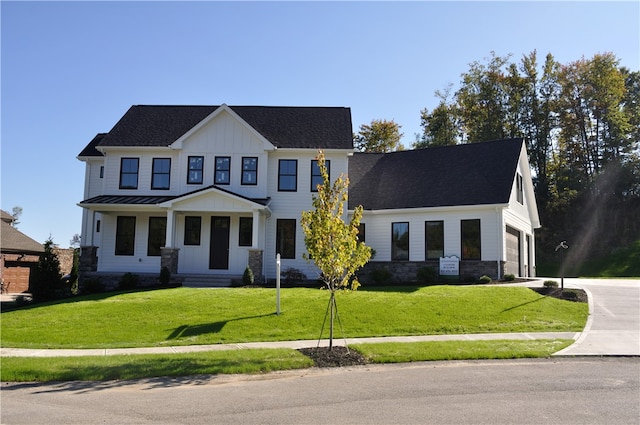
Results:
<point x="14" y="241"/>
<point x="284" y="127"/>
<point x="469" y="174"/>
<point x="6" y="217"/>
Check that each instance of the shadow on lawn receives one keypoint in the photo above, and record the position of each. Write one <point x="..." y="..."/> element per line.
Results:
<point x="186" y="331"/>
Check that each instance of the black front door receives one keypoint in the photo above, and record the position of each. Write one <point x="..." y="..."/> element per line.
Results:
<point x="219" y="250"/>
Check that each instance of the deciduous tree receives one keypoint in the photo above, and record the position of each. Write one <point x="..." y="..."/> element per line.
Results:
<point x="379" y="136"/>
<point x="332" y="244"/>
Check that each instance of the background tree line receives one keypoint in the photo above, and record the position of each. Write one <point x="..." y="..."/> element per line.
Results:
<point x="581" y="123"/>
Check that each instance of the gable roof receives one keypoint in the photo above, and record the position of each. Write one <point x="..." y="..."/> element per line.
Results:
<point x="14" y="241"/>
<point x="283" y="126"/>
<point x="470" y="174"/>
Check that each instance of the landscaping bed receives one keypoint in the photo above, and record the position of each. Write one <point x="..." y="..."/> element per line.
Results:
<point x="576" y="295"/>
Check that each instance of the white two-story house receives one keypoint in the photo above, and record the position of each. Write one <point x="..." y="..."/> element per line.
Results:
<point x="210" y="190"/>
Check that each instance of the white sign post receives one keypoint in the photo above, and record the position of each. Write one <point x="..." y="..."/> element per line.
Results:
<point x="450" y="267"/>
<point x="278" y="284"/>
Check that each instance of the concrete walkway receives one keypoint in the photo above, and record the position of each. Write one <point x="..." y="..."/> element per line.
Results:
<point x="612" y="329"/>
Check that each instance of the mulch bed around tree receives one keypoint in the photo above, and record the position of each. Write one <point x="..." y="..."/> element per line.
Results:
<point x="338" y="356"/>
<point x="576" y="295"/>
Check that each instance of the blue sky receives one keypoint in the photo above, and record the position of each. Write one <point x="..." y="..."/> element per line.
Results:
<point x="70" y="70"/>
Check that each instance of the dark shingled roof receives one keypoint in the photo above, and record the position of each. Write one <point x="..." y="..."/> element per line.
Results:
<point x="14" y="241"/>
<point x="284" y="127"/>
<point x="470" y="174"/>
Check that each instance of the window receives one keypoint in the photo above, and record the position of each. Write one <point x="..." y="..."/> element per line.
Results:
<point x="400" y="241"/>
<point x="161" y="172"/>
<point x="245" y="233"/>
<point x="286" y="238"/>
<point x="316" y="177"/>
<point x="223" y="170"/>
<point x="192" y="225"/>
<point x="434" y="239"/>
<point x="287" y="175"/>
<point x="519" y="189"/>
<point x="361" y="232"/>
<point x="196" y="170"/>
<point x="249" y="170"/>
<point x="102" y="171"/>
<point x="470" y="235"/>
<point x="157" y="234"/>
<point x="98" y="226"/>
<point x="125" y="235"/>
<point x="129" y="173"/>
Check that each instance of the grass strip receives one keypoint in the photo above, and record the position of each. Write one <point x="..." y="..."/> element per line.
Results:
<point x="192" y="316"/>
<point x="398" y="352"/>
<point x="121" y="367"/>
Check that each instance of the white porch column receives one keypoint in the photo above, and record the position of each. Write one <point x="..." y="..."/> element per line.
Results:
<point x="170" y="232"/>
<point x="256" y="229"/>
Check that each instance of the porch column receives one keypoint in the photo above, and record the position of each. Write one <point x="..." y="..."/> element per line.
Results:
<point x="256" y="229"/>
<point x="170" y="229"/>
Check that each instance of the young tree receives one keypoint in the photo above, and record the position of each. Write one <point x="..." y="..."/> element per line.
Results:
<point x="48" y="281"/>
<point x="331" y="242"/>
<point x="379" y="136"/>
<point x="16" y="212"/>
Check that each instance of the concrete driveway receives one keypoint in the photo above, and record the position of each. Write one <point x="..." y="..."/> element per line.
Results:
<point x="613" y="327"/>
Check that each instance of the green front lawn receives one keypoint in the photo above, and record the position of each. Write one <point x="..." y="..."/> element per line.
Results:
<point x="185" y="316"/>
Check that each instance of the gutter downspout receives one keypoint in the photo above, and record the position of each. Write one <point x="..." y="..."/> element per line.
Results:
<point x="501" y="241"/>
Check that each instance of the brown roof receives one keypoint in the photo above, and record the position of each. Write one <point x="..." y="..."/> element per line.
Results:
<point x="13" y="240"/>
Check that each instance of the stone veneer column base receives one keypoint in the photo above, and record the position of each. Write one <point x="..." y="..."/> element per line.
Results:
<point x="169" y="259"/>
<point x="255" y="264"/>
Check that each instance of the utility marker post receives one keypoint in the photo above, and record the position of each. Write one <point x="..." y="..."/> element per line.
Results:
<point x="278" y="284"/>
<point x="562" y="246"/>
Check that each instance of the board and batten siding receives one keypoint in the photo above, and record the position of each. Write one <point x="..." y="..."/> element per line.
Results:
<point x="289" y="205"/>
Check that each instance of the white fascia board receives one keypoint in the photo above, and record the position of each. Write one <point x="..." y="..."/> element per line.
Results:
<point x="433" y="209"/>
<point x="268" y="146"/>
<point x="347" y="152"/>
<point x="105" y="149"/>
<point x="530" y="194"/>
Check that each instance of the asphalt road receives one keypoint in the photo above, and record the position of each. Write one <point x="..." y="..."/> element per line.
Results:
<point x="585" y="390"/>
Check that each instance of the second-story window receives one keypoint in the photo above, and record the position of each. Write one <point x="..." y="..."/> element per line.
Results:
<point x="316" y="177"/>
<point x="161" y="173"/>
<point x="288" y="175"/>
<point x="129" y="173"/>
<point x="223" y="170"/>
<point x="249" y="170"/>
<point x="196" y="170"/>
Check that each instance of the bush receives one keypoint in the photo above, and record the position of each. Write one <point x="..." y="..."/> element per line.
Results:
<point x="380" y="276"/>
<point x="426" y="275"/>
<point x="247" y="277"/>
<point x="293" y="276"/>
<point x="509" y="277"/>
<point x="128" y="281"/>
<point x="485" y="279"/>
<point x="165" y="276"/>
<point x="550" y="284"/>
<point x="92" y="286"/>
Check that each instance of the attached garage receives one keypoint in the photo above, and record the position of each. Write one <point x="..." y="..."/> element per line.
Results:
<point x="19" y="255"/>
<point x="512" y="242"/>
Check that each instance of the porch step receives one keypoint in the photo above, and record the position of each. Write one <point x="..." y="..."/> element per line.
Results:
<point x="207" y="281"/>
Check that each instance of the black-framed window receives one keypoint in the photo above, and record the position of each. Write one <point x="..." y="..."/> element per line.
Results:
<point x="362" y="232"/>
<point x="470" y="239"/>
<point x="245" y="231"/>
<point x="400" y="241"/>
<point x="434" y="239"/>
<point x="249" y="170"/>
<point x="125" y="235"/>
<point x="192" y="228"/>
<point x="157" y="235"/>
<point x="129" y="173"/>
<point x="316" y="177"/>
<point x="102" y="171"/>
<point x="161" y="173"/>
<point x="222" y="173"/>
<point x="287" y="175"/>
<point x="196" y="170"/>
<point x="286" y="238"/>
<point x="98" y="226"/>
<point x="519" y="189"/>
